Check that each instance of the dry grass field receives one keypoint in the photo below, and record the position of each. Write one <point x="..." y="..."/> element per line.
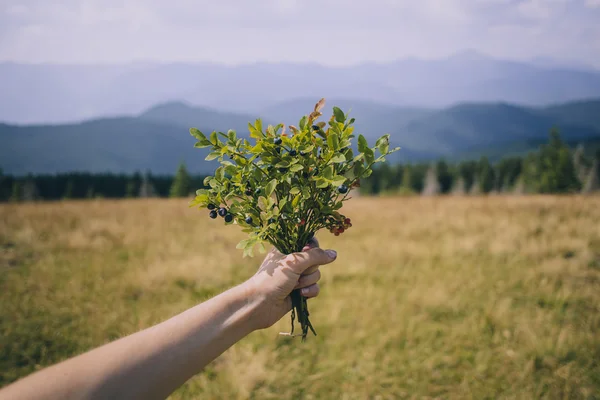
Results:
<point x="450" y="298"/>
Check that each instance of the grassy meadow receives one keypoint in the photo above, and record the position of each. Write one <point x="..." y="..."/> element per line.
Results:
<point x="450" y="298"/>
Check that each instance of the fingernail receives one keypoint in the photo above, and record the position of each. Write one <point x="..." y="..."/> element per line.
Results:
<point x="304" y="291"/>
<point x="331" y="253"/>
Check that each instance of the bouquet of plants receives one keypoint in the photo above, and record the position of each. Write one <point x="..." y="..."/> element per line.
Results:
<point x="283" y="186"/>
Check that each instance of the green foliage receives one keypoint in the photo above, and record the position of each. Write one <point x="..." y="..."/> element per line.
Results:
<point x="181" y="186"/>
<point x="552" y="170"/>
<point x="283" y="188"/>
<point x="486" y="176"/>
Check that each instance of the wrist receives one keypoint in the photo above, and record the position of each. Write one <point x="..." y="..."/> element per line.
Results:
<point x="252" y="302"/>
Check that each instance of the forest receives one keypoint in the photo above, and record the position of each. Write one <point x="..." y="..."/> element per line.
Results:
<point x="553" y="168"/>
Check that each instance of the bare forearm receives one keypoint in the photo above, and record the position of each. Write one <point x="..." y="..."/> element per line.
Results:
<point x="151" y="363"/>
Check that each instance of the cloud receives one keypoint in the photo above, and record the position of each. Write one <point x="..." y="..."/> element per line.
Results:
<point x="326" y="31"/>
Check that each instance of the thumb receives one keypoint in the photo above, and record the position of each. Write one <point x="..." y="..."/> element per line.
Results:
<point x="300" y="262"/>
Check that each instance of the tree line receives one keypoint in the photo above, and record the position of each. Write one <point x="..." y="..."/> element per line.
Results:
<point x="554" y="168"/>
<point x="80" y="185"/>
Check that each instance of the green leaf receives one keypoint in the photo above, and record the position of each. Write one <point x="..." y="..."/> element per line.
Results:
<point x="294" y="191"/>
<point x="296" y="168"/>
<point x="195" y="132"/>
<point x="258" y="125"/>
<point x="369" y="156"/>
<point x="213" y="137"/>
<point x="338" y="180"/>
<point x="231" y="134"/>
<point x="219" y="173"/>
<point x="358" y="158"/>
<point x="306" y="148"/>
<point x="306" y="193"/>
<point x="333" y="141"/>
<point x="339" y="115"/>
<point x="338" y="158"/>
<point x="350" y="174"/>
<point x="270" y="188"/>
<point x="201" y="145"/>
<point x="358" y="169"/>
<point x="243" y="243"/>
<point x="362" y="144"/>
<point x="212" y="155"/>
<point x="367" y="173"/>
<point x="322" y="183"/>
<point x="230" y="169"/>
<point x="302" y="123"/>
<point x="296" y="200"/>
<point x="253" y="131"/>
<point x="328" y="172"/>
<point x="282" y="164"/>
<point x="349" y="155"/>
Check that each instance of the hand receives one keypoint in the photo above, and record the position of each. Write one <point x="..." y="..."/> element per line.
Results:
<point x="280" y="274"/>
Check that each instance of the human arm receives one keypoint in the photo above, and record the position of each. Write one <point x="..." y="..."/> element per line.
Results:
<point x="152" y="363"/>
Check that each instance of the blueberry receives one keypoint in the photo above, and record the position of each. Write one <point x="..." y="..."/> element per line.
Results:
<point x="305" y="174"/>
<point x="315" y="127"/>
<point x="222" y="211"/>
<point x="343" y="189"/>
<point x="211" y="207"/>
<point x="248" y="220"/>
<point x="212" y="214"/>
<point x="257" y="191"/>
<point x="271" y="220"/>
<point x="283" y="170"/>
<point x="277" y="141"/>
<point x="293" y="153"/>
<point x="248" y="191"/>
<point x="228" y="218"/>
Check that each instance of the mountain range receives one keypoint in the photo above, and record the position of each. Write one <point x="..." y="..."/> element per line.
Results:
<point x="157" y="139"/>
<point x="51" y="94"/>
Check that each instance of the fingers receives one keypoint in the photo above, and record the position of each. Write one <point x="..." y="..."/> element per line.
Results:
<point x="307" y="280"/>
<point x="310" y="291"/>
<point x="300" y="262"/>
<point x="312" y="243"/>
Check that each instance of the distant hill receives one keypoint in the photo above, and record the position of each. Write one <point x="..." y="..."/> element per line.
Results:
<point x="158" y="138"/>
<point x="186" y="116"/>
<point x="44" y="93"/>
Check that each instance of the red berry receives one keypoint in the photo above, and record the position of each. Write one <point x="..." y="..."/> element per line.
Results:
<point x="347" y="221"/>
<point x="337" y="234"/>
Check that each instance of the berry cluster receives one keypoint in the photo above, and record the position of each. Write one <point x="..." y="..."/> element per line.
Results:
<point x="222" y="212"/>
<point x="337" y="227"/>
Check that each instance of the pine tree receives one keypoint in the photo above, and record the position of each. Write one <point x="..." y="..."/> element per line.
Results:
<point x="486" y="176"/>
<point x="181" y="186"/>
<point x="444" y="176"/>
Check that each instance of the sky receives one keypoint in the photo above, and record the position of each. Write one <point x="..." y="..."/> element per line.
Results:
<point x="328" y="32"/>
